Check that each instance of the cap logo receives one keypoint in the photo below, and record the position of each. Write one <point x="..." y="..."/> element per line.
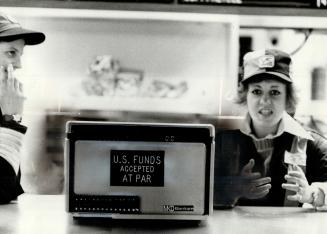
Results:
<point x="266" y="61"/>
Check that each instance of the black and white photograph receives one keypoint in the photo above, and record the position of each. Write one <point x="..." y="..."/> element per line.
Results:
<point x="163" y="116"/>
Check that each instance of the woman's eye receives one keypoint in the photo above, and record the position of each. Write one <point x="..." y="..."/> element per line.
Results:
<point x="11" y="53"/>
<point x="275" y="92"/>
<point x="256" y="91"/>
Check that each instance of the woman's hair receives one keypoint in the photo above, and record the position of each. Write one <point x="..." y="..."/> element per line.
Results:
<point x="291" y="98"/>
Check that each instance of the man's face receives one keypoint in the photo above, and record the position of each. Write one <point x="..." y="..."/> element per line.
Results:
<point x="266" y="102"/>
<point x="11" y="52"/>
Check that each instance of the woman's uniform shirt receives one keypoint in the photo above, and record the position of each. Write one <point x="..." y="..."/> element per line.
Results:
<point x="11" y="137"/>
<point x="234" y="149"/>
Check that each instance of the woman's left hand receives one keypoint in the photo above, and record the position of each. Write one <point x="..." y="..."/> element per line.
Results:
<point x="297" y="182"/>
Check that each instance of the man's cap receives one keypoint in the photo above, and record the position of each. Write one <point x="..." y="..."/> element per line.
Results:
<point x="11" y="29"/>
<point x="268" y="61"/>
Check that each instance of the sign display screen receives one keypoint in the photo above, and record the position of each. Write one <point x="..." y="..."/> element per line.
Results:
<point x="163" y="173"/>
<point x="137" y="168"/>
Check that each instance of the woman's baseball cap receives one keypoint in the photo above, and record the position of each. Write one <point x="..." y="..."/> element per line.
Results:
<point x="11" y="29"/>
<point x="268" y="61"/>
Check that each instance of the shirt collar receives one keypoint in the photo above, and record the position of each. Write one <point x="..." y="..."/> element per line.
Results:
<point x="287" y="124"/>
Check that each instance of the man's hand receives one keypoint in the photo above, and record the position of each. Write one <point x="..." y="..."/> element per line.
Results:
<point x="11" y="92"/>
<point x="253" y="186"/>
<point x="297" y="182"/>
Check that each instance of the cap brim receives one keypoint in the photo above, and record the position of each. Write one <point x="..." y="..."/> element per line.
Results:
<point x="30" y="37"/>
<point x="277" y="74"/>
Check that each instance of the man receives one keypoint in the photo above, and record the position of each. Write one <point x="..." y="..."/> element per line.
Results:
<point x="13" y="39"/>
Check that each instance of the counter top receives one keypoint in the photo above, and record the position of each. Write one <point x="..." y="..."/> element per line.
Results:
<point x="40" y="214"/>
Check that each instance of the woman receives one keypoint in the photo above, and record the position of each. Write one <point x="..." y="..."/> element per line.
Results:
<point x="272" y="160"/>
<point x="13" y="39"/>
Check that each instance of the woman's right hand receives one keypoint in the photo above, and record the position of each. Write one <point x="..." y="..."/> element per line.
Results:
<point x="252" y="185"/>
<point x="11" y="92"/>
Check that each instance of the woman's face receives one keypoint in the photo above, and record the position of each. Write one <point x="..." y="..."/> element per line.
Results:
<point x="11" y="52"/>
<point x="266" y="102"/>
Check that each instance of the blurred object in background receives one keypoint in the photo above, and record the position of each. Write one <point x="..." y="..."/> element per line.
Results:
<point x="318" y="124"/>
<point x="107" y="78"/>
<point x="318" y="83"/>
<point x="163" y="89"/>
<point x="42" y="171"/>
<point x="314" y="123"/>
<point x="128" y="83"/>
<point x="245" y="45"/>
<point x="101" y="76"/>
